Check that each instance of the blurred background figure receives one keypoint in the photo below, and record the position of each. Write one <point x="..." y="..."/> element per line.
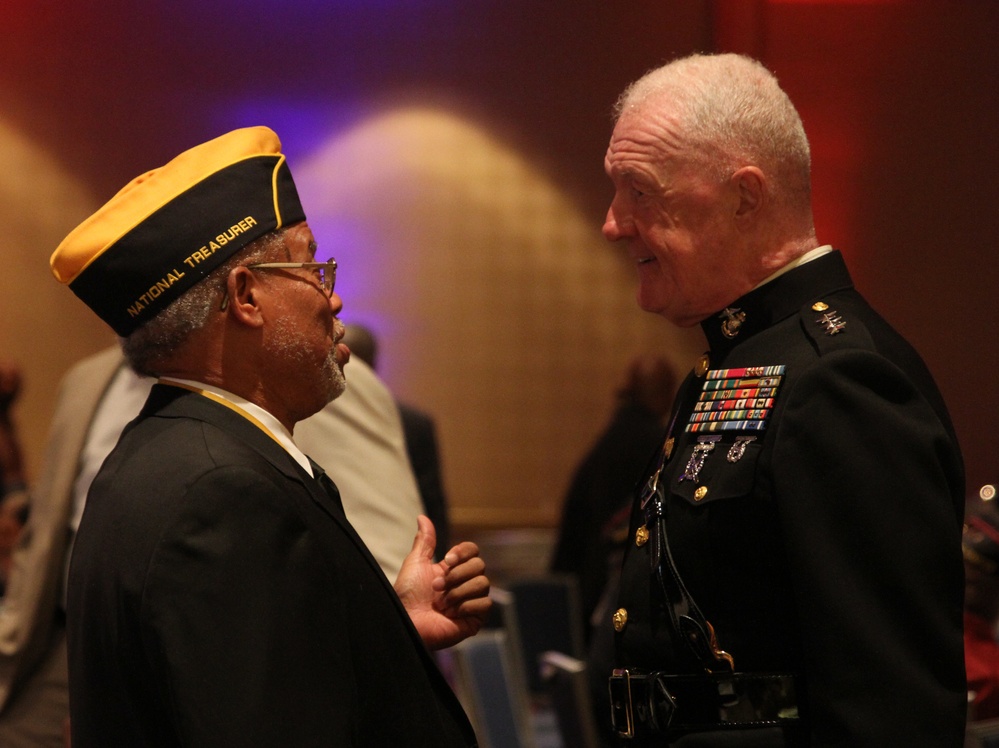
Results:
<point x="981" y="605"/>
<point x="593" y="529"/>
<point x="595" y="510"/>
<point x="13" y="499"/>
<point x="420" y="434"/>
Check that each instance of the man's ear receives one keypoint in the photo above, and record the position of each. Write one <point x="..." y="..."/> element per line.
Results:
<point x="244" y="292"/>
<point x="753" y="190"/>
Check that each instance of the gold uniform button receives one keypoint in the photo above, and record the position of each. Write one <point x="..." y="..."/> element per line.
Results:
<point x="700" y="493"/>
<point x="641" y="536"/>
<point x="620" y="618"/>
<point x="701" y="368"/>
<point x="819" y="306"/>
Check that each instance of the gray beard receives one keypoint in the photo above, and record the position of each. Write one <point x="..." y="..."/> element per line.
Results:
<point x="331" y="380"/>
<point x="333" y="375"/>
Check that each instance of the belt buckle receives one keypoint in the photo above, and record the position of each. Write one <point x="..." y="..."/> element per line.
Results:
<point x="622" y="717"/>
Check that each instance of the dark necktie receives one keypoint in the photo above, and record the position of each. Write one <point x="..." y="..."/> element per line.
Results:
<point x="329" y="488"/>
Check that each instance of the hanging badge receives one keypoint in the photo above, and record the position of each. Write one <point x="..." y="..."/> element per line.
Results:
<point x="738" y="449"/>
<point x="702" y="449"/>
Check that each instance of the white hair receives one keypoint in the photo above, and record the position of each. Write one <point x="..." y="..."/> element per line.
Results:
<point x="731" y="112"/>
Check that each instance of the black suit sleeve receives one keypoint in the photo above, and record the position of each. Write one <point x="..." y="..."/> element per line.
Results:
<point x="250" y="652"/>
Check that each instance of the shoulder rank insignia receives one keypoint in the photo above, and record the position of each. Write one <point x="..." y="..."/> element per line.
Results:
<point x="736" y="399"/>
<point x="830" y="320"/>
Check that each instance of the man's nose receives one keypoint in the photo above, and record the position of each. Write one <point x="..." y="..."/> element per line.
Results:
<point x="617" y="225"/>
<point x="336" y="303"/>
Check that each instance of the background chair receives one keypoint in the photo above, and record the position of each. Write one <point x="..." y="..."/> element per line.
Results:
<point x="982" y="734"/>
<point x="541" y="614"/>
<point x="567" y="684"/>
<point x="490" y="689"/>
<point x="542" y="618"/>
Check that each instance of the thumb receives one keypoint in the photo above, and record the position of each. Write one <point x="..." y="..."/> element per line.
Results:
<point x="425" y="541"/>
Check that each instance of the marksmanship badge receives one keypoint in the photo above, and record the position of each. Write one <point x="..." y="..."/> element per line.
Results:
<point x="704" y="446"/>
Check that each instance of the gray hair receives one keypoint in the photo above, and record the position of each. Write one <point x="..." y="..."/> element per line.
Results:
<point x="731" y="112"/>
<point x="162" y="336"/>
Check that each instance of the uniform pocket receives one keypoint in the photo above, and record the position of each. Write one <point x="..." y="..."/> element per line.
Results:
<point x="725" y="471"/>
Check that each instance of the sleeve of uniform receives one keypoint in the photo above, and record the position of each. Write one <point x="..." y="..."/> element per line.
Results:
<point x="249" y="650"/>
<point x="874" y="549"/>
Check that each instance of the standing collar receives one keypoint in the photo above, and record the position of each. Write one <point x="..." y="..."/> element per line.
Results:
<point x="812" y="254"/>
<point x="782" y="295"/>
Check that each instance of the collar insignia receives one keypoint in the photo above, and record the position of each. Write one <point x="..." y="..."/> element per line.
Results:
<point x="732" y="320"/>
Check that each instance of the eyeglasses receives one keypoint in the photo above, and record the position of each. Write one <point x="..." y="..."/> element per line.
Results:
<point x="326" y="270"/>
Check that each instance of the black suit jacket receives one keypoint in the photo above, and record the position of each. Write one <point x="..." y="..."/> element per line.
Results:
<point x="831" y="548"/>
<point x="218" y="596"/>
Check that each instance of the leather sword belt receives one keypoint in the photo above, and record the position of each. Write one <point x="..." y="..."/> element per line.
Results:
<point x="656" y="703"/>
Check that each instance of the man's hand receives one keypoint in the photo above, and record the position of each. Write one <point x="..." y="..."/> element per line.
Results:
<point x="447" y="601"/>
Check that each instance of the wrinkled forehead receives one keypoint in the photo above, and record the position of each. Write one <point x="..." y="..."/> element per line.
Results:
<point x="647" y="139"/>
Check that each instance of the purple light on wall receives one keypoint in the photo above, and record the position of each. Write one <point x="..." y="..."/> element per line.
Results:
<point x="303" y="129"/>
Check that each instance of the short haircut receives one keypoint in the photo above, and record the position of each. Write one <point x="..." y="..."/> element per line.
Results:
<point x="731" y="112"/>
<point x="158" y="339"/>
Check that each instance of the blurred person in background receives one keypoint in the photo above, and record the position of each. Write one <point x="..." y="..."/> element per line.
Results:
<point x="981" y="605"/>
<point x="13" y="497"/>
<point x="596" y="507"/>
<point x="420" y="432"/>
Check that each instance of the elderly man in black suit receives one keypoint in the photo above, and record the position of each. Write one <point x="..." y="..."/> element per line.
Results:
<point x="217" y="593"/>
<point x="794" y="572"/>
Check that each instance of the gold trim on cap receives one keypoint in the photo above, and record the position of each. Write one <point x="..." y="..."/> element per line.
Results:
<point x="274" y="191"/>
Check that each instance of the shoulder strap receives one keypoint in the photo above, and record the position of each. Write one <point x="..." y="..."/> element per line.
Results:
<point x="689" y="624"/>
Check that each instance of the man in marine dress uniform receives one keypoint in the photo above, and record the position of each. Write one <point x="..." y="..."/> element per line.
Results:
<point x="794" y="574"/>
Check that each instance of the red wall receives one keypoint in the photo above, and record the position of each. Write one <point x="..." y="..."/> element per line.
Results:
<point x="901" y="102"/>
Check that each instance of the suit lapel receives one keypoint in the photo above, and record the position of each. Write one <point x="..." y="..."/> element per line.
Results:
<point x="173" y="402"/>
